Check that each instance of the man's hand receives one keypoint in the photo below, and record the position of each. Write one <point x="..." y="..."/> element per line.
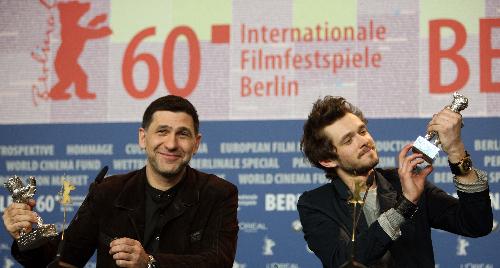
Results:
<point x="412" y="182"/>
<point x="128" y="253"/>
<point x="448" y="125"/>
<point x="18" y="216"/>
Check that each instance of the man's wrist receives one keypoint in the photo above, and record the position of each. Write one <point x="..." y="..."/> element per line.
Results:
<point x="414" y="200"/>
<point x="405" y="207"/>
<point x="456" y="154"/>
<point x="462" y="166"/>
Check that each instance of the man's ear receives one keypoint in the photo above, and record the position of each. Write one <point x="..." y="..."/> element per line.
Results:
<point x="328" y="163"/>
<point x="142" y="138"/>
<point x="197" y="141"/>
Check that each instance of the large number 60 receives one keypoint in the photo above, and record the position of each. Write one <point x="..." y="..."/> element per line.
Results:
<point x="129" y="60"/>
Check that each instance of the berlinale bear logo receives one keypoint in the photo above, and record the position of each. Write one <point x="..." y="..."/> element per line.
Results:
<point x="267" y="248"/>
<point x="73" y="39"/>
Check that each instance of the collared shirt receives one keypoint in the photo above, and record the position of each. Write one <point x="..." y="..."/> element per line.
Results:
<point x="371" y="208"/>
<point x="157" y="202"/>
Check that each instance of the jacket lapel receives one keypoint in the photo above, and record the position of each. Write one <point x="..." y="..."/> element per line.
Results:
<point x="347" y="209"/>
<point x="345" y="195"/>
<point x="386" y="194"/>
<point x="132" y="200"/>
<point x="187" y="196"/>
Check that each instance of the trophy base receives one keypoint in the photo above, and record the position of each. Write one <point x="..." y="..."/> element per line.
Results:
<point x="429" y="151"/>
<point x="36" y="237"/>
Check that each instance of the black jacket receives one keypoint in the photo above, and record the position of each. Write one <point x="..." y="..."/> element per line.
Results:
<point x="326" y="218"/>
<point x="200" y="231"/>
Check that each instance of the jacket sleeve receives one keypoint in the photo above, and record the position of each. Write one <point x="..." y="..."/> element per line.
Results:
<point x="46" y="253"/>
<point x="218" y="243"/>
<point x="330" y="239"/>
<point x="470" y="215"/>
<point x="39" y="257"/>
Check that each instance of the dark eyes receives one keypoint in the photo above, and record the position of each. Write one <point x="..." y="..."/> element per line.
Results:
<point x="361" y="132"/>
<point x="183" y="133"/>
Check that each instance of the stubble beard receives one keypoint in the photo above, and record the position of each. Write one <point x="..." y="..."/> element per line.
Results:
<point x="168" y="174"/>
<point x="359" y="170"/>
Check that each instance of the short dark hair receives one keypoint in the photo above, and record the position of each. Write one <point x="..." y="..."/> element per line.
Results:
<point x="315" y="145"/>
<point x="173" y="104"/>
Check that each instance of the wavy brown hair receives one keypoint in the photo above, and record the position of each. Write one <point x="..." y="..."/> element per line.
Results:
<point x="315" y="145"/>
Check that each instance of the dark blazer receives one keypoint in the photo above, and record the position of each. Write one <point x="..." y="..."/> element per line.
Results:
<point x="326" y="218"/>
<point x="200" y="231"/>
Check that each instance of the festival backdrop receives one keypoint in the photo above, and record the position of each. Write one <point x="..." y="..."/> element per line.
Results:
<point x="76" y="76"/>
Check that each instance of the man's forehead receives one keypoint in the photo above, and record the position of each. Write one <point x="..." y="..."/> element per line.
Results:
<point x="343" y="126"/>
<point x="172" y="119"/>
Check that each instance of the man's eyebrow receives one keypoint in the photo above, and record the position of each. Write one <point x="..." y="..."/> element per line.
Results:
<point x="163" y="127"/>
<point x="361" y="127"/>
<point x="185" y="128"/>
<point x="347" y="135"/>
<point x="351" y="133"/>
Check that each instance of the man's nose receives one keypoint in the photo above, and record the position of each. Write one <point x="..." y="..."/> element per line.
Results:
<point x="363" y="140"/>
<point x="170" y="142"/>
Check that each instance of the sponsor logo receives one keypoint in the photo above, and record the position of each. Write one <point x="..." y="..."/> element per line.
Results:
<point x="296" y="226"/>
<point x="252" y="227"/>
<point x="462" y="245"/>
<point x="476" y="265"/>
<point x="267" y="248"/>
<point x="247" y="200"/>
<point x="282" y="265"/>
